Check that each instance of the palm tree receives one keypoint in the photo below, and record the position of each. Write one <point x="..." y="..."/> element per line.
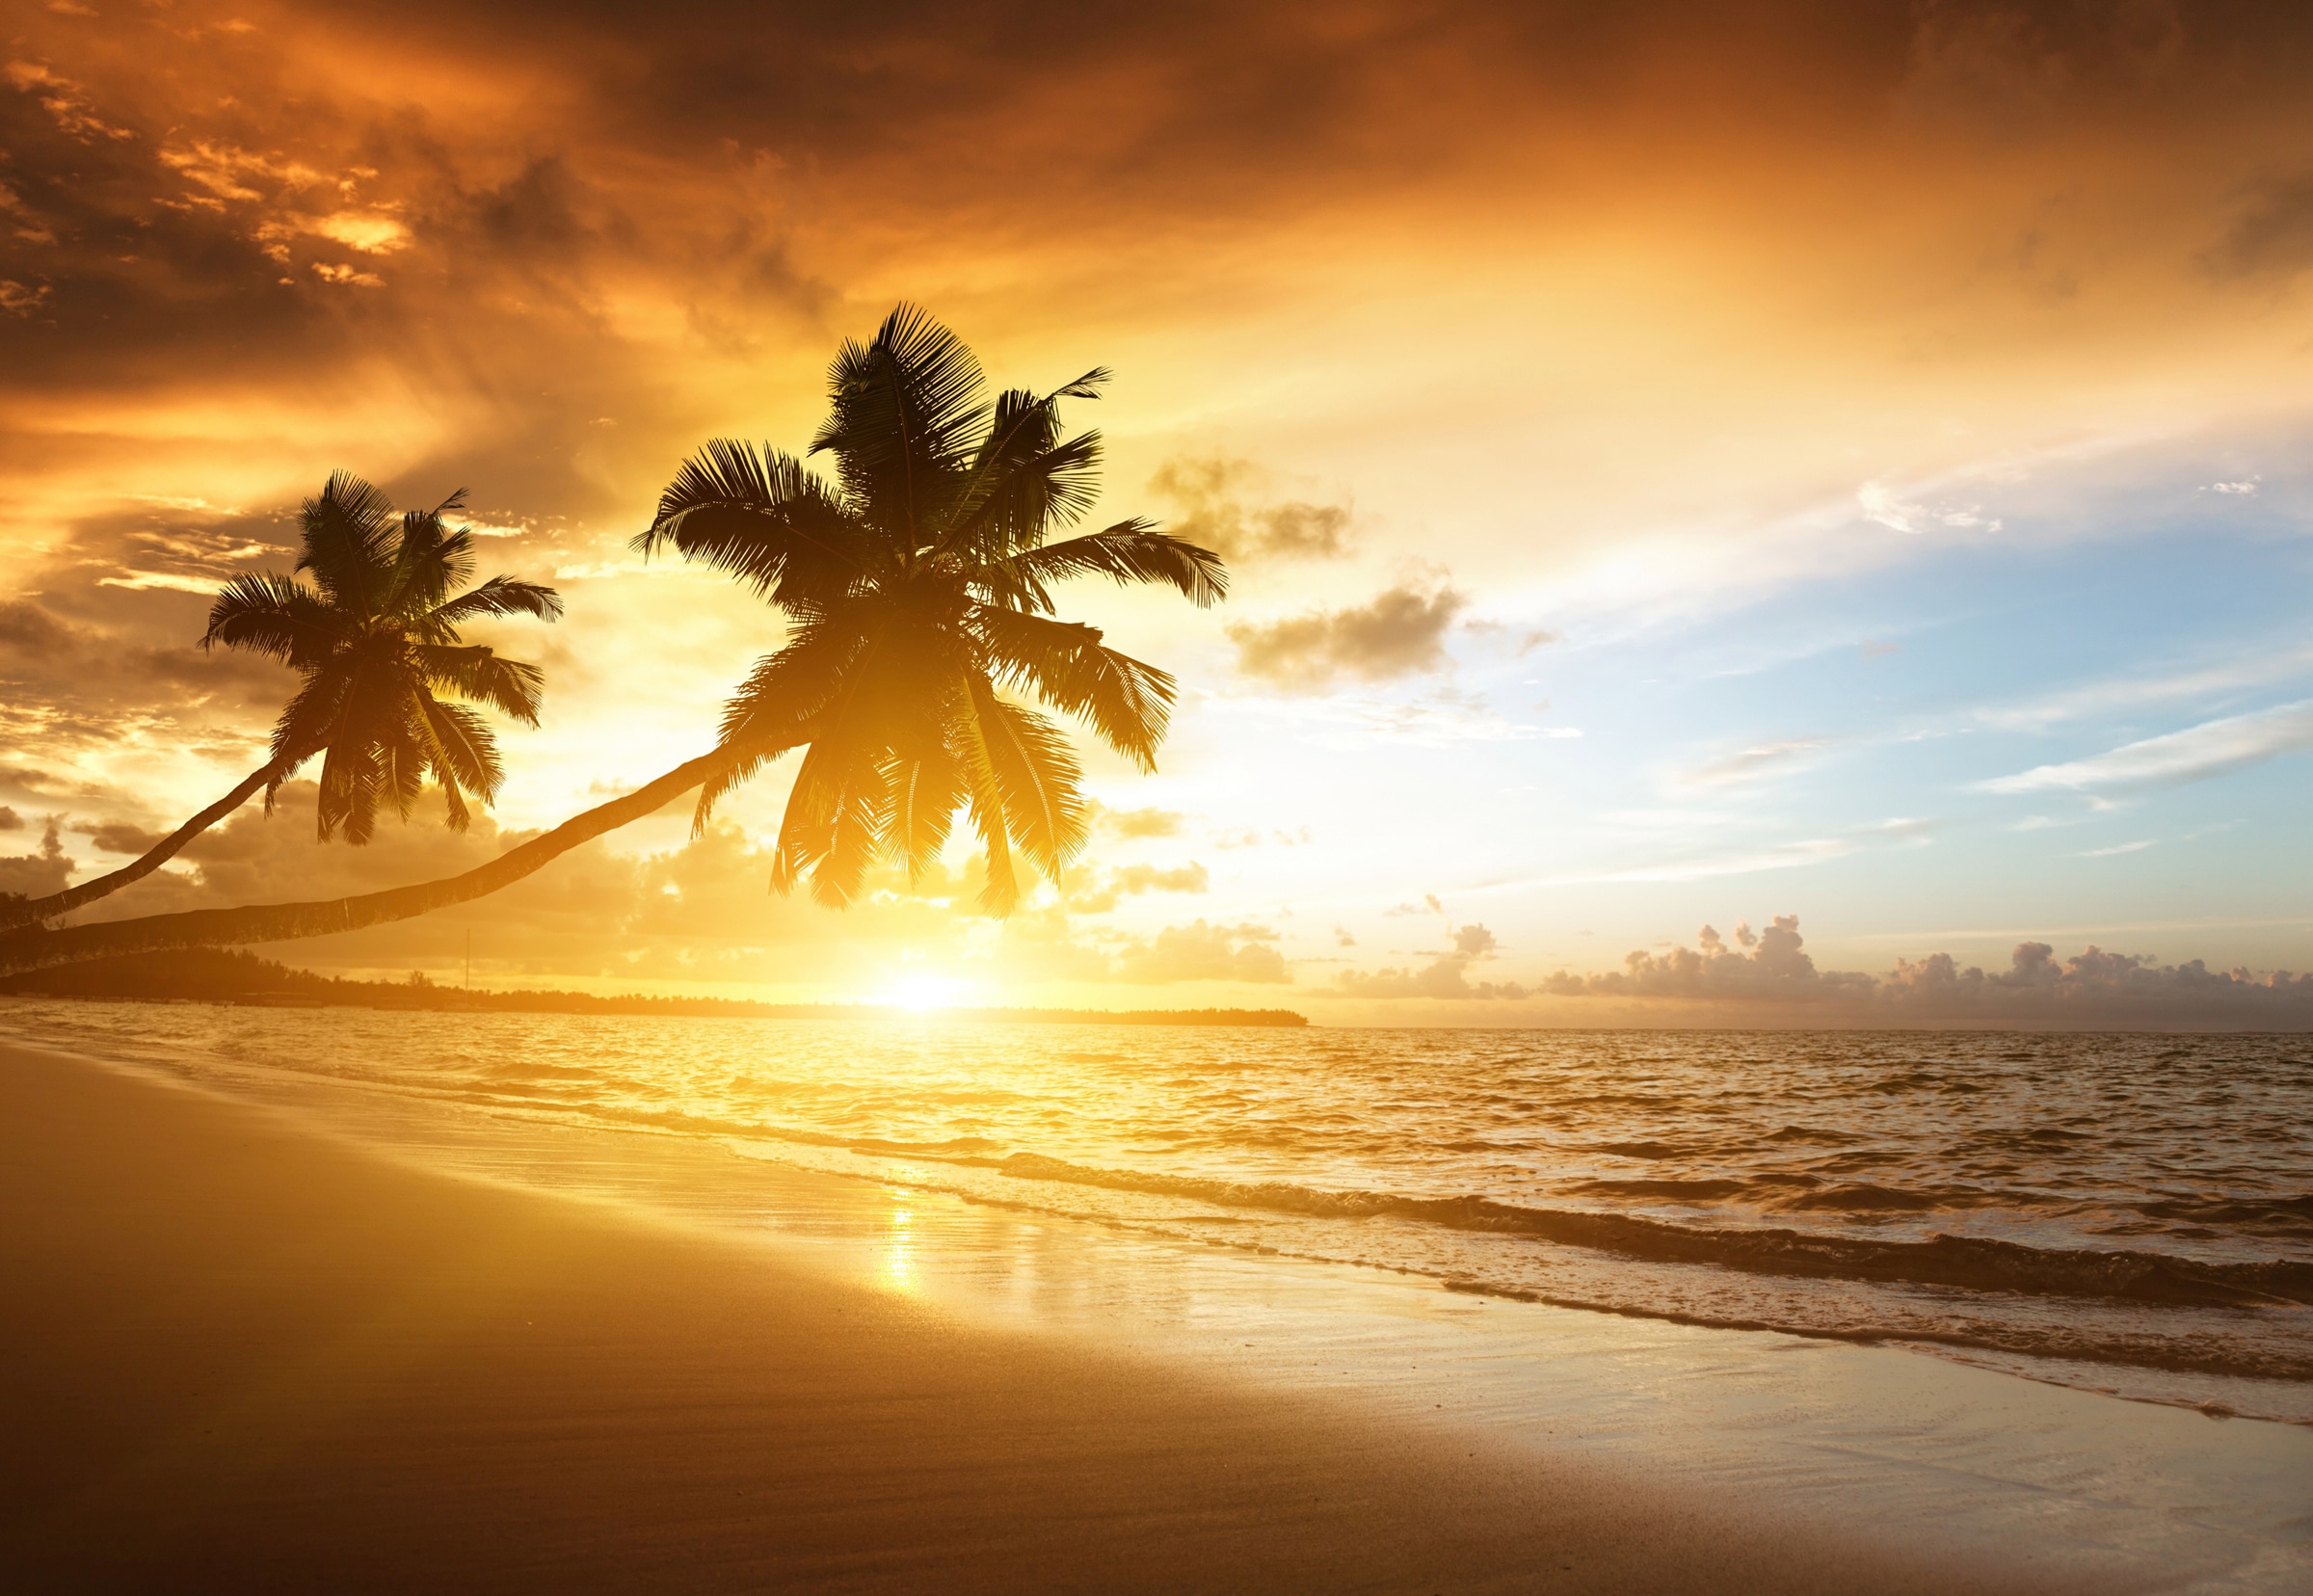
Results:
<point x="919" y="589"/>
<point x="375" y="637"/>
<point x="917" y="586"/>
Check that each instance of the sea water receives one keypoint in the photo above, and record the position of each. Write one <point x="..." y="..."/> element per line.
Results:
<point x="2129" y="1213"/>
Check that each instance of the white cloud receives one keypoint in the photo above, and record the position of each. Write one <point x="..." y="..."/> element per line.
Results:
<point x="1348" y="721"/>
<point x="1787" y="857"/>
<point x="140" y="580"/>
<point x="2118" y="849"/>
<point x="1881" y="504"/>
<point x="1753" y="762"/>
<point x="2214" y="748"/>
<point x="2272" y="665"/>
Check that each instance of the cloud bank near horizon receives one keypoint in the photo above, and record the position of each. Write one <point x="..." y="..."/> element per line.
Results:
<point x="1772" y="968"/>
<point x="703" y="914"/>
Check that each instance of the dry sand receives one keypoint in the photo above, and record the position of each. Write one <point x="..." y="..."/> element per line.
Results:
<point x="239" y="1357"/>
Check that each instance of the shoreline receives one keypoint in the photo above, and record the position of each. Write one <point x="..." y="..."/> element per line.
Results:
<point x="397" y="1381"/>
<point x="1034" y="1450"/>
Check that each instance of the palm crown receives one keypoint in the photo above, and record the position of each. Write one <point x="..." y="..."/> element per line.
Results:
<point x="918" y="591"/>
<point x="375" y="637"/>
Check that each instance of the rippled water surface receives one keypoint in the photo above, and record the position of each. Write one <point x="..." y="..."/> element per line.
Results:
<point x="2134" y="1213"/>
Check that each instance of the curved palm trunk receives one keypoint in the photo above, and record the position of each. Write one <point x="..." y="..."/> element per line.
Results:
<point x="33" y="947"/>
<point x="161" y="852"/>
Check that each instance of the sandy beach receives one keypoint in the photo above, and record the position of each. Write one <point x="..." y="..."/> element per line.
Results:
<point x="240" y="1357"/>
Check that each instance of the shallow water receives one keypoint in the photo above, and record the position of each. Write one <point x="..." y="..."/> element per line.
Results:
<point x="2131" y="1214"/>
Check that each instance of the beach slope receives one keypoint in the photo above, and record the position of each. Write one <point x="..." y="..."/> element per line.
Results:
<point x="238" y="1356"/>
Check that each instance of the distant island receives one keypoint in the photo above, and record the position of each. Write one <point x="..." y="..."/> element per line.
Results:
<point x="216" y="975"/>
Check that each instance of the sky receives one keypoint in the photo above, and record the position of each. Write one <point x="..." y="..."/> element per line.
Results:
<point x="1727" y="503"/>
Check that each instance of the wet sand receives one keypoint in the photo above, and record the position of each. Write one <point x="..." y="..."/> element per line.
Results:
<point x="240" y="1356"/>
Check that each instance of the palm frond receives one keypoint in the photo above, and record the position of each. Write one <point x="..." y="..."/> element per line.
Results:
<point x="984" y="800"/>
<point x="1037" y="775"/>
<point x="406" y="764"/>
<point x="772" y="707"/>
<point x="273" y="615"/>
<point x="1086" y="387"/>
<point x="1126" y="702"/>
<point x="860" y="809"/>
<point x="1127" y="553"/>
<point x="924" y="794"/>
<point x="311" y="714"/>
<point x="500" y="595"/>
<point x="478" y="673"/>
<point x="1015" y="501"/>
<point x="459" y="751"/>
<point x="763" y="517"/>
<point x="904" y="408"/>
<point x="823" y="820"/>
<point x="430" y="561"/>
<point x="347" y="802"/>
<point x="348" y="530"/>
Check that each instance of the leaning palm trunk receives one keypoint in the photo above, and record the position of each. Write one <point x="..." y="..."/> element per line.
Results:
<point x="158" y="855"/>
<point x="34" y="947"/>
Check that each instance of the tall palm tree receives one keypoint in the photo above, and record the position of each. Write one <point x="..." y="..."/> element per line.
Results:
<point x="919" y="588"/>
<point x="375" y="637"/>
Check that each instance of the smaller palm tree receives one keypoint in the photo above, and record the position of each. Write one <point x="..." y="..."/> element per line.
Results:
<point x="375" y="636"/>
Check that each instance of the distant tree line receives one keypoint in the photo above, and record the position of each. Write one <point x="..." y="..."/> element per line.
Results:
<point x="216" y="975"/>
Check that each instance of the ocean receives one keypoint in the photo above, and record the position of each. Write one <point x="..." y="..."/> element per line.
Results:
<point x="2126" y="1214"/>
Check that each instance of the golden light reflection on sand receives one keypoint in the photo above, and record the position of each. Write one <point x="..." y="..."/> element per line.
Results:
<point x="899" y="1245"/>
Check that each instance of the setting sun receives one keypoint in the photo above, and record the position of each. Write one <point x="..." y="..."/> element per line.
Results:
<point x="919" y="993"/>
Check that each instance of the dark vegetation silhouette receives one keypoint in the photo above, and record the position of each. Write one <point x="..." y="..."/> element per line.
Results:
<point x="216" y="975"/>
<point x="917" y="588"/>
<point x="374" y="637"/>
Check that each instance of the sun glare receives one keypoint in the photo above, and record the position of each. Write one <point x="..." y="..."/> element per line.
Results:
<point x="919" y="993"/>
